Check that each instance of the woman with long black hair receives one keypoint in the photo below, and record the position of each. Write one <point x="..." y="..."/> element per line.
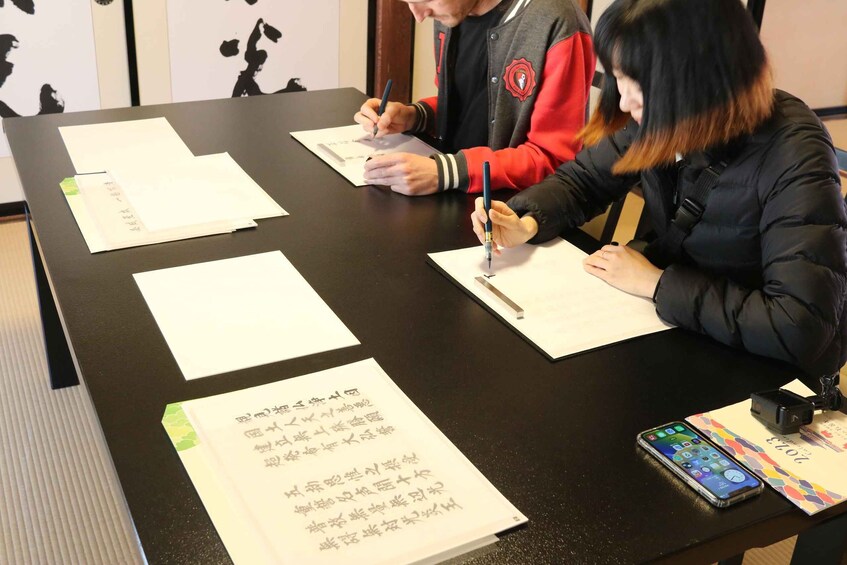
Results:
<point x="740" y="184"/>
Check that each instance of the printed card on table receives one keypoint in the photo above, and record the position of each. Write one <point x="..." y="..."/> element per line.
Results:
<point x="108" y="221"/>
<point x="807" y="468"/>
<point x="337" y="466"/>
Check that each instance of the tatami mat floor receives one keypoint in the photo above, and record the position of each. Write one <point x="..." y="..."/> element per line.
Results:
<point x="61" y="502"/>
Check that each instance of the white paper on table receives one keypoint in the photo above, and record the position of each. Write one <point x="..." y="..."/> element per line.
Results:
<point x="346" y="148"/>
<point x="95" y="148"/>
<point x="807" y="467"/>
<point x="278" y="463"/>
<point x="198" y="190"/>
<point x="242" y="312"/>
<point x="107" y="220"/>
<point x="566" y="310"/>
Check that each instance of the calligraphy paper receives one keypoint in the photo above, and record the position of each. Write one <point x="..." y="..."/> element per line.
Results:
<point x="346" y="148"/>
<point x="195" y="190"/>
<point x="108" y="221"/>
<point x="566" y="310"/>
<point x="337" y="466"/>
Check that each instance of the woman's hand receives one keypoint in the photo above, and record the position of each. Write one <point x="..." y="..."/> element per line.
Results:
<point x="625" y="269"/>
<point x="507" y="229"/>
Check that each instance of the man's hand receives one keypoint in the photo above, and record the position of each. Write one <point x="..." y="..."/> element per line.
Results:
<point x="396" y="118"/>
<point x="625" y="269"/>
<point x="507" y="229"/>
<point x="406" y="173"/>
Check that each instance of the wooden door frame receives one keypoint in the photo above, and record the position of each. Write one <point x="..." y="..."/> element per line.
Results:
<point x="391" y="39"/>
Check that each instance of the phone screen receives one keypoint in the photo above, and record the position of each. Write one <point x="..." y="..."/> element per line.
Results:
<point x="701" y="460"/>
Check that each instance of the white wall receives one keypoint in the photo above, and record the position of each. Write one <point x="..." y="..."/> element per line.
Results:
<point x="806" y="42"/>
<point x="110" y="43"/>
<point x="423" y="78"/>
<point x="353" y="44"/>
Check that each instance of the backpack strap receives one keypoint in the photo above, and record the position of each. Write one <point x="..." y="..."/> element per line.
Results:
<point x="667" y="249"/>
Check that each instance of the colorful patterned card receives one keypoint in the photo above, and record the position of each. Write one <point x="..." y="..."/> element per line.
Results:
<point x="808" y="468"/>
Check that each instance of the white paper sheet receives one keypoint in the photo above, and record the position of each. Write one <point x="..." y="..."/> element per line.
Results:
<point x="96" y="148"/>
<point x="242" y="312"/>
<point x="107" y="220"/>
<point x="337" y="466"/>
<point x="196" y="190"/>
<point x="566" y="309"/>
<point x="346" y="148"/>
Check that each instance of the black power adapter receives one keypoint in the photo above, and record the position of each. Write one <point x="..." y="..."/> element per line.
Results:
<point x="783" y="411"/>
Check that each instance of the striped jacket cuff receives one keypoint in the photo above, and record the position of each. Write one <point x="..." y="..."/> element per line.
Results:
<point x="452" y="171"/>
<point x="424" y="117"/>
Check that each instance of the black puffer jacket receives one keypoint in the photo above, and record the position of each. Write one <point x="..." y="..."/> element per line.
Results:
<point x="765" y="269"/>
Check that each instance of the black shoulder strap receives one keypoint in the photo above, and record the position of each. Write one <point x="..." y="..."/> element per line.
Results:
<point x="668" y="247"/>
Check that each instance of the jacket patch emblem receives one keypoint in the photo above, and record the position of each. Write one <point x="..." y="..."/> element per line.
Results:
<point x="439" y="52"/>
<point x="520" y="79"/>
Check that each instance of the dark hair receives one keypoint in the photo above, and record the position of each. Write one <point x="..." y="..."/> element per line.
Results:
<point x="702" y="70"/>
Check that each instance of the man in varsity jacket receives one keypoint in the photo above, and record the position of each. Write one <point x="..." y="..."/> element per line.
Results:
<point x="513" y="78"/>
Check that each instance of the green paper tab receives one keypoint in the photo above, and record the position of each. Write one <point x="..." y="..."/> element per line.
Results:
<point x="178" y="427"/>
<point x="69" y="187"/>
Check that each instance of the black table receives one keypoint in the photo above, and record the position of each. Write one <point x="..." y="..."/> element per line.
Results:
<point x="556" y="438"/>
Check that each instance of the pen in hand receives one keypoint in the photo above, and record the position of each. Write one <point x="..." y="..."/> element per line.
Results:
<point x="486" y="202"/>
<point x="382" y="103"/>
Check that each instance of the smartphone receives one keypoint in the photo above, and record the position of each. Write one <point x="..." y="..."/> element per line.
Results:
<point x="700" y="463"/>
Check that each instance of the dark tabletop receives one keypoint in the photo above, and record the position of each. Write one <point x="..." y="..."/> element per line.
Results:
<point x="556" y="438"/>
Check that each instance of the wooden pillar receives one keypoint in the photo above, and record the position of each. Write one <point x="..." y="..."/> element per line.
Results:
<point x="392" y="49"/>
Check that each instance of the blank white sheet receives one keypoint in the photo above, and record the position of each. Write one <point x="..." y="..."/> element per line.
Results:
<point x="566" y="309"/>
<point x="346" y="148"/>
<point x="242" y="312"/>
<point x="197" y="190"/>
<point x="95" y="148"/>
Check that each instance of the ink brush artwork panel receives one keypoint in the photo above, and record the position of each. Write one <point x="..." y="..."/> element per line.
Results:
<point x="232" y="48"/>
<point x="47" y="59"/>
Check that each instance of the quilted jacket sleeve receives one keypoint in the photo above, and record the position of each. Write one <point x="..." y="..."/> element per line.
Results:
<point x="579" y="189"/>
<point x="795" y="316"/>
